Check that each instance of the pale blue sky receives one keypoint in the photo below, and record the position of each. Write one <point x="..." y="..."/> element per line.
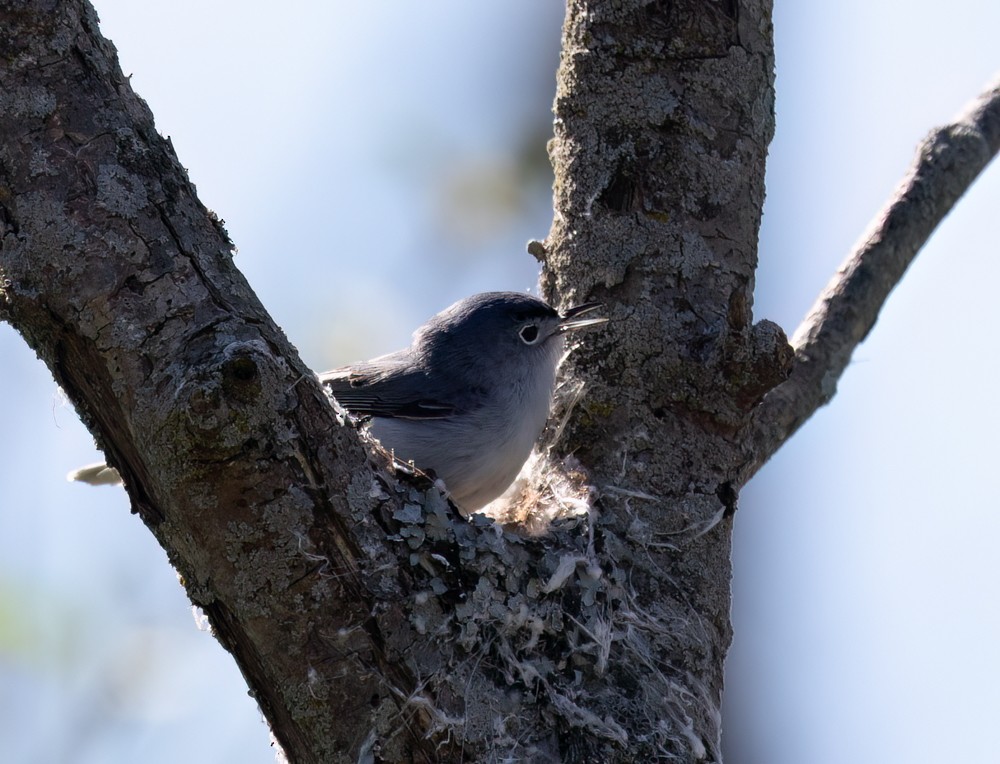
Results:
<point x="348" y="147"/>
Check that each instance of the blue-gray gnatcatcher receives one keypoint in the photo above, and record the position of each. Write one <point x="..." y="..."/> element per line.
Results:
<point x="469" y="398"/>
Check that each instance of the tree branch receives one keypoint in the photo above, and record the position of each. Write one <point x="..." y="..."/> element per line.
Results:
<point x="946" y="164"/>
<point x="124" y="285"/>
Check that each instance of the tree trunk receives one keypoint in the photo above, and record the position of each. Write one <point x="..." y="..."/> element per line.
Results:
<point x="371" y="622"/>
<point x="663" y="116"/>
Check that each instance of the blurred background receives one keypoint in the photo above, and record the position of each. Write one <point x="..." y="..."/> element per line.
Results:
<point x="375" y="162"/>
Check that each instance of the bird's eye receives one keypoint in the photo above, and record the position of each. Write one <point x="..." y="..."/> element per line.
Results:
<point x="529" y="334"/>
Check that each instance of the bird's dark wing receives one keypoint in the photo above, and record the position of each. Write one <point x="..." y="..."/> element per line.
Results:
<point x="386" y="389"/>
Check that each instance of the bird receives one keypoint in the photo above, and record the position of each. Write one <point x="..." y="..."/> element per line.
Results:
<point x="468" y="399"/>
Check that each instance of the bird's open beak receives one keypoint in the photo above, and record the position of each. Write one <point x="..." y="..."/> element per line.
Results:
<point x="571" y="320"/>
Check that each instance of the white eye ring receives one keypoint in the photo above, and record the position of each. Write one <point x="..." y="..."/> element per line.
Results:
<point x="529" y="334"/>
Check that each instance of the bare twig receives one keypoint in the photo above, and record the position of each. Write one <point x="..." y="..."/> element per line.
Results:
<point x="947" y="163"/>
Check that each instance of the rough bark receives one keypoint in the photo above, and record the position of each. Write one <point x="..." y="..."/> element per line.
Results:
<point x="370" y="621"/>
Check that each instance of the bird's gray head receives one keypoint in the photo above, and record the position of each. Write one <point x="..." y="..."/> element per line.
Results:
<point x="490" y="331"/>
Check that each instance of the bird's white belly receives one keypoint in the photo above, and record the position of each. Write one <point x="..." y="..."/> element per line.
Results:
<point x="478" y="455"/>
